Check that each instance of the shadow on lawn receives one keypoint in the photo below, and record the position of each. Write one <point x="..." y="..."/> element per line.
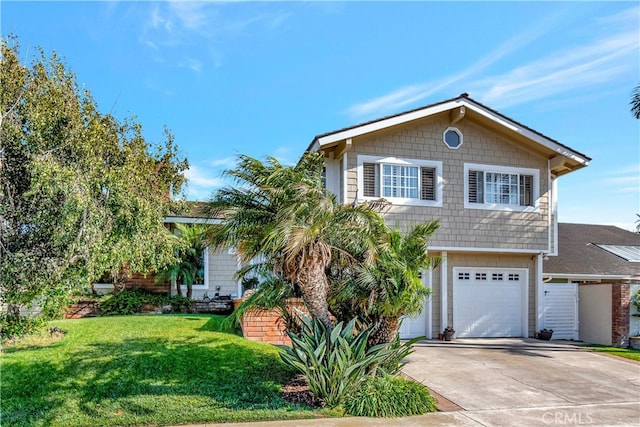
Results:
<point x="127" y="375"/>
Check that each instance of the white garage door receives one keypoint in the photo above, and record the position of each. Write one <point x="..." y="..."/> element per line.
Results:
<point x="489" y="302"/>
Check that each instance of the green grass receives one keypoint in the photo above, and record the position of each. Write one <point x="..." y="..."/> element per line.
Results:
<point x="627" y="353"/>
<point x="142" y="370"/>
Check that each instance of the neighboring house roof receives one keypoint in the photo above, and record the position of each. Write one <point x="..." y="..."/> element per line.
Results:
<point x="563" y="158"/>
<point x="193" y="212"/>
<point x="586" y="250"/>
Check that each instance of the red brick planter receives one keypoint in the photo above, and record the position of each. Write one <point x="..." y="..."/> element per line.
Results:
<point x="266" y="325"/>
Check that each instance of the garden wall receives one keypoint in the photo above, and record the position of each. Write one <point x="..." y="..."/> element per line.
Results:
<point x="266" y="325"/>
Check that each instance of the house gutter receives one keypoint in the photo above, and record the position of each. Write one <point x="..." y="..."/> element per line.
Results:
<point x="587" y="276"/>
<point x="188" y="220"/>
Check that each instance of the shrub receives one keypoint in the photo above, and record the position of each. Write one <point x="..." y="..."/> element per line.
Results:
<point x="398" y="351"/>
<point x="12" y="327"/>
<point x="122" y="303"/>
<point x="334" y="361"/>
<point x="179" y="303"/>
<point x="389" y="396"/>
<point x="130" y="301"/>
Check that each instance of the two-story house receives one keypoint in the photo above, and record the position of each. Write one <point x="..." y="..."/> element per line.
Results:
<point x="489" y="180"/>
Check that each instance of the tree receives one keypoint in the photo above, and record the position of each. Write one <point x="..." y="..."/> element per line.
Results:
<point x="391" y="287"/>
<point x="284" y="216"/>
<point x="635" y="102"/>
<point x="189" y="265"/>
<point x="82" y="193"/>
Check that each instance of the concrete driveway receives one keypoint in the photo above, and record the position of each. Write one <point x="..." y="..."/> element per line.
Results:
<point x="528" y="382"/>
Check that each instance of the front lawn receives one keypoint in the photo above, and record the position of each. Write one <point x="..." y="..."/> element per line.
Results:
<point x="143" y="370"/>
<point x="627" y="353"/>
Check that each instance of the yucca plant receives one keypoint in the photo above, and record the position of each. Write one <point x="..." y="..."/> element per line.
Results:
<point x="335" y="360"/>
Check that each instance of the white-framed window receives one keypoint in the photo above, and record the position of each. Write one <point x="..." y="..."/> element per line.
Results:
<point x="201" y="280"/>
<point x="501" y="187"/>
<point x="400" y="181"/>
<point x="452" y="138"/>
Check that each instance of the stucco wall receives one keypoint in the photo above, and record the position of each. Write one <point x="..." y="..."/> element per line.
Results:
<point x="460" y="227"/>
<point x="595" y="310"/>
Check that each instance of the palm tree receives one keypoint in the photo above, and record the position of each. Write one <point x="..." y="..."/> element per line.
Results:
<point x="635" y="102"/>
<point x="390" y="288"/>
<point x="189" y="265"/>
<point x="283" y="215"/>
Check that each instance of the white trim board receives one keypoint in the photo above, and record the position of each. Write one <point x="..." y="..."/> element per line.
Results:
<point x="188" y="220"/>
<point x="445" y="106"/>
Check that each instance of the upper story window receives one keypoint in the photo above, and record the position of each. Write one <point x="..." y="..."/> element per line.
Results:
<point x="452" y="138"/>
<point x="401" y="181"/>
<point x="501" y="187"/>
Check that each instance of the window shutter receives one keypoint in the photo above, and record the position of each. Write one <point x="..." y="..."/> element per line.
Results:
<point x="526" y="190"/>
<point x="428" y="183"/>
<point x="476" y="183"/>
<point x="369" y="179"/>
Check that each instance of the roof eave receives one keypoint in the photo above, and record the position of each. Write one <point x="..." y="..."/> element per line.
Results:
<point x="330" y="139"/>
<point x="577" y="276"/>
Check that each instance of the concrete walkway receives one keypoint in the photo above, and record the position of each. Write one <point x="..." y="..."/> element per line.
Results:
<point x="511" y="382"/>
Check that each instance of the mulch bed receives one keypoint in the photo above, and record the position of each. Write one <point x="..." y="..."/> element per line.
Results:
<point x="296" y="391"/>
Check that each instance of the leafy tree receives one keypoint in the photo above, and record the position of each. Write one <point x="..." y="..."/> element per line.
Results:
<point x="189" y="265"/>
<point x="391" y="287"/>
<point x="82" y="193"/>
<point x="284" y="215"/>
<point x="635" y="102"/>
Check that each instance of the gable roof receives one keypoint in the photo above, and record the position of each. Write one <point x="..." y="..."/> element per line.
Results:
<point x="565" y="159"/>
<point x="581" y="252"/>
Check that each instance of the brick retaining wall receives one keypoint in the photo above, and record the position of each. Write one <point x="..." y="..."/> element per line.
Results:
<point x="266" y="325"/>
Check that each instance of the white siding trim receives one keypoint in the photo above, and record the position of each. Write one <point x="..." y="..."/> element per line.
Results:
<point x="430" y="305"/>
<point x="485" y="250"/>
<point x="539" y="294"/>
<point x="332" y="174"/>
<point x="435" y="109"/>
<point x="345" y="170"/>
<point x="554" y="201"/>
<point x="444" y="292"/>
<point x="187" y="220"/>
<point x="578" y="277"/>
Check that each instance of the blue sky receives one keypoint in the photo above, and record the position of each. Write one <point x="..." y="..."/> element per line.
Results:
<point x="263" y="78"/>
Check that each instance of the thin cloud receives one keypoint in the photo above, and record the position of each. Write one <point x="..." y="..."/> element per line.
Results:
<point x="226" y="162"/>
<point x="175" y="27"/>
<point x="191" y="15"/>
<point x="627" y="16"/>
<point x="598" y="62"/>
<point x="601" y="61"/>
<point x="201" y="183"/>
<point x="624" y="180"/>
<point x="410" y="94"/>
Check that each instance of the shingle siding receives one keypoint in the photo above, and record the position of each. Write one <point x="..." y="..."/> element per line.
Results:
<point x="460" y="227"/>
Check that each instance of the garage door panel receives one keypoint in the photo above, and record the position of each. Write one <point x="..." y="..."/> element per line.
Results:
<point x="487" y="307"/>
